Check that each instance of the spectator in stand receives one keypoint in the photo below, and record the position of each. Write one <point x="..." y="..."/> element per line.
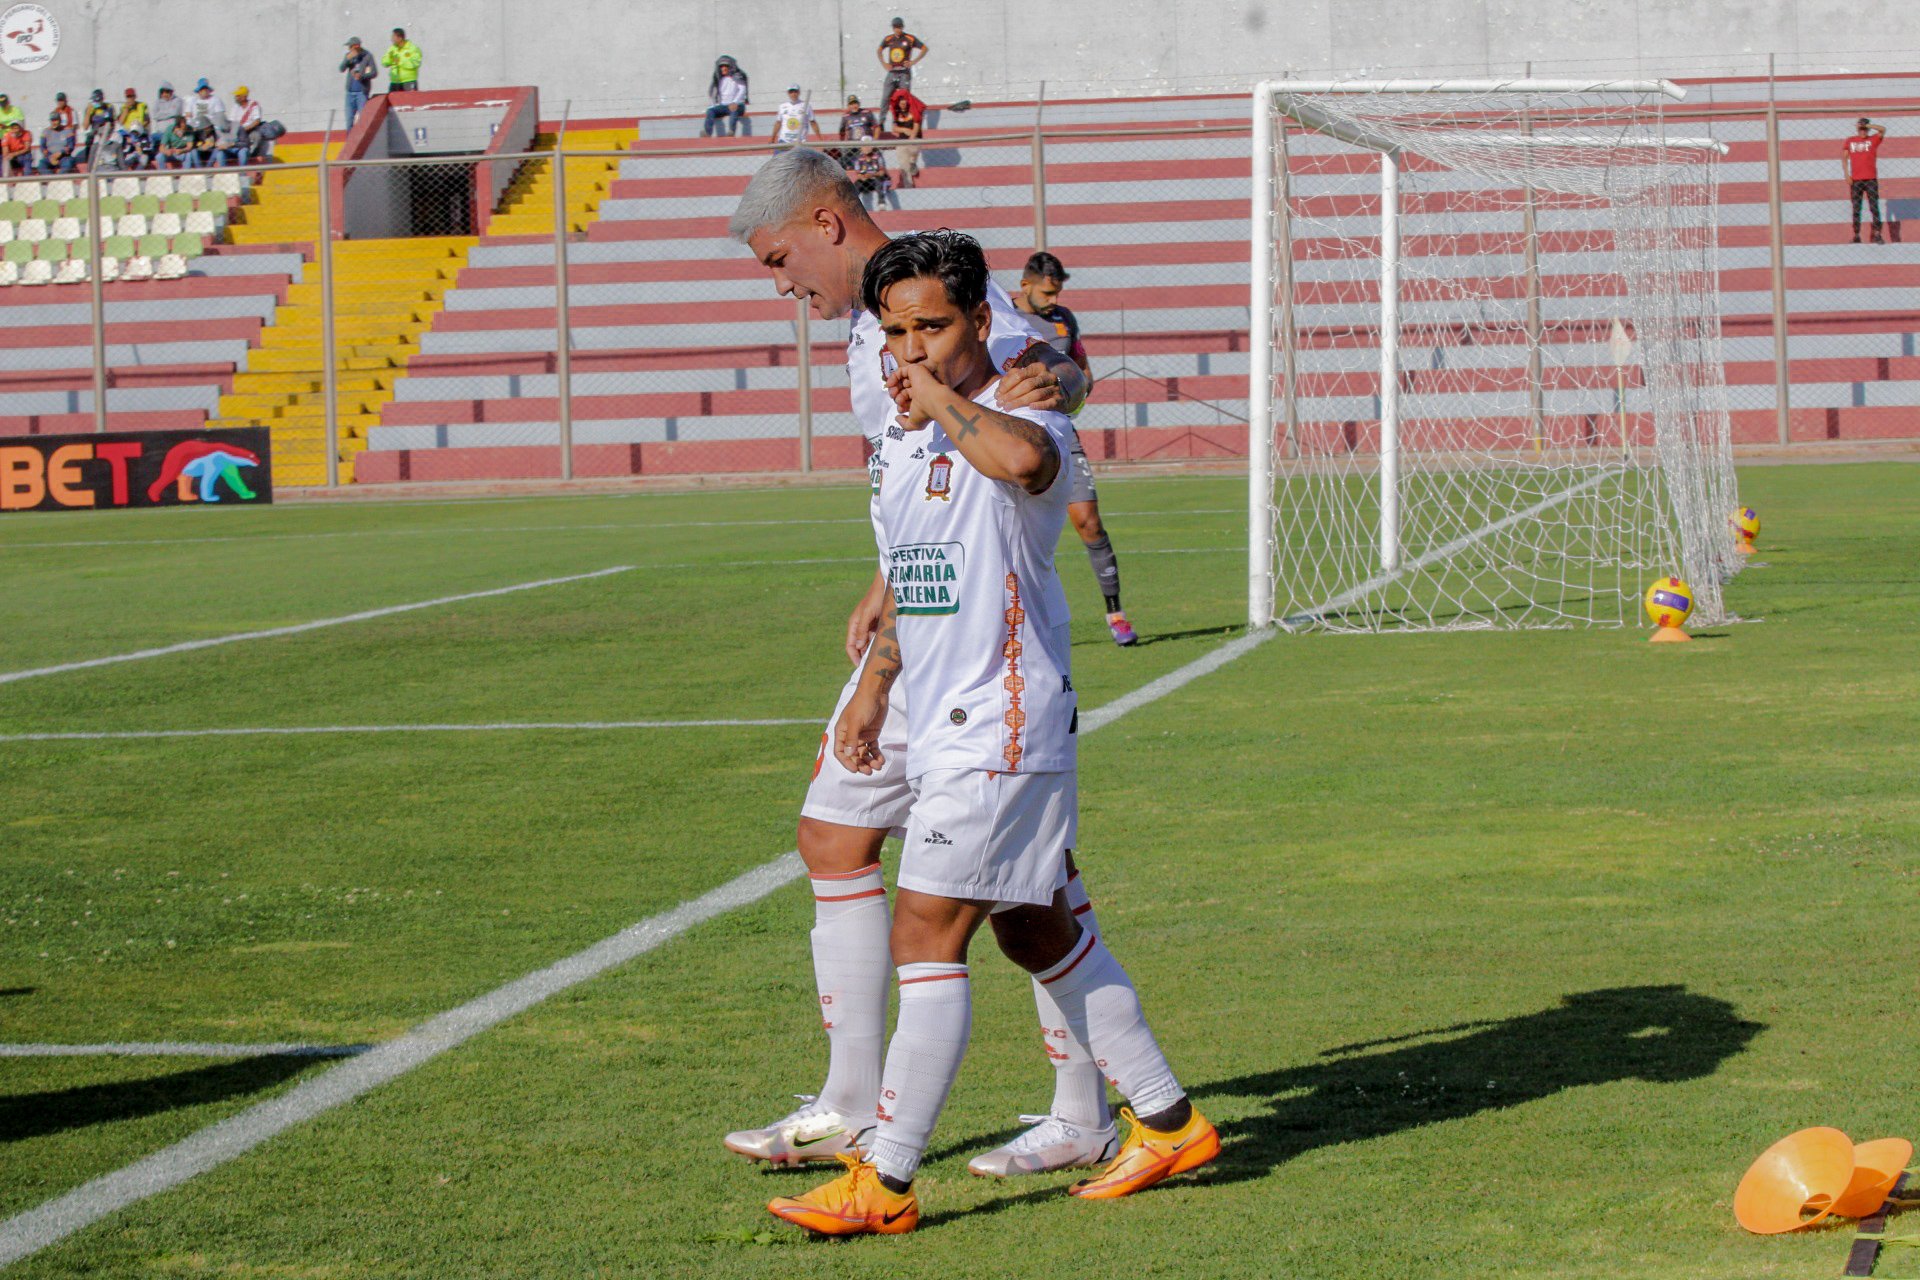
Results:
<point x="870" y="176"/>
<point x="209" y="141"/>
<point x="206" y="108"/>
<point x="361" y="71"/>
<point x="900" y="52"/>
<point x="56" y="146"/>
<point x="246" y="144"/>
<point x="792" y="119"/>
<point x="96" y="127"/>
<point x="16" y="150"/>
<point x="174" y="148"/>
<point x="858" y="124"/>
<point x="10" y="115"/>
<point x="133" y="124"/>
<point x="64" y="112"/>
<point x="167" y="108"/>
<point x="402" y="61"/>
<point x="727" y="99"/>
<point x="1862" y="167"/>
<point x="908" y="116"/>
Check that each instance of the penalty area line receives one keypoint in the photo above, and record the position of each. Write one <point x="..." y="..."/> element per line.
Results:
<point x="586" y="726"/>
<point x="181" y="1049"/>
<point x="365" y="615"/>
<point x="28" y="1233"/>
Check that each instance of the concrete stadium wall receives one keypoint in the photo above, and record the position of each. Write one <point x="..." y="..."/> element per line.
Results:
<point x="628" y="57"/>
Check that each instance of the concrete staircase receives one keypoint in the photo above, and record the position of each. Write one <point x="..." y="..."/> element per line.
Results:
<point x="527" y="207"/>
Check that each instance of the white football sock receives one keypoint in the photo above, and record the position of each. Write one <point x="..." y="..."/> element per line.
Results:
<point x="1079" y="1088"/>
<point x="1100" y="1006"/>
<point x="851" y="960"/>
<point x="930" y="1038"/>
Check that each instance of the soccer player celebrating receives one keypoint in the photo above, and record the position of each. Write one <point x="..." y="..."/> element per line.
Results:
<point x="969" y="506"/>
<point x="1039" y="296"/>
<point x="803" y="220"/>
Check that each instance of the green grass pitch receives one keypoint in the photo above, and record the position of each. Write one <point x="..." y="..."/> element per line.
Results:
<point x="1492" y="954"/>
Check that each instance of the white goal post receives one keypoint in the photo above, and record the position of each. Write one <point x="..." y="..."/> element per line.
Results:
<point x="1475" y="493"/>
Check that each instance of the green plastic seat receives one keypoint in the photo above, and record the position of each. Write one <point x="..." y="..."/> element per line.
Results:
<point x="14" y="211"/>
<point x="51" y="250"/>
<point x="113" y="206"/>
<point x="46" y="210"/>
<point x="145" y="206"/>
<point x="178" y="202"/>
<point x="17" y="251"/>
<point x="153" y="246"/>
<point x="80" y="249"/>
<point x="189" y="246"/>
<point x="214" y="202"/>
<point x="120" y="247"/>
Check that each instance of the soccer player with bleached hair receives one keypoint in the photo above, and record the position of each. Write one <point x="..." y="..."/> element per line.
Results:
<point x="804" y="221"/>
<point x="970" y="500"/>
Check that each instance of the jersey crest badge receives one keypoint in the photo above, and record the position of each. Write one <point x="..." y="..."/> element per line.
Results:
<point x="940" y="478"/>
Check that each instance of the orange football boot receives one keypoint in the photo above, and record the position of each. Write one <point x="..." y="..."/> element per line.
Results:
<point x="1149" y="1156"/>
<point x="855" y="1203"/>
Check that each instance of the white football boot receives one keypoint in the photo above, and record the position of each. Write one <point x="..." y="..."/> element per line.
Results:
<point x="810" y="1133"/>
<point x="1051" y="1144"/>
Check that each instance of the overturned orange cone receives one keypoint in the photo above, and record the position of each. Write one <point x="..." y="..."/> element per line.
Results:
<point x="1876" y="1167"/>
<point x="1805" y="1173"/>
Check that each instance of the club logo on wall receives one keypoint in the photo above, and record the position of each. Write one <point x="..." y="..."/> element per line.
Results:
<point x="29" y="37"/>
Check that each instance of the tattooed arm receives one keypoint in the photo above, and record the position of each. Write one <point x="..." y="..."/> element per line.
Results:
<point x="1045" y="379"/>
<point x="999" y="445"/>
<point x="856" y="736"/>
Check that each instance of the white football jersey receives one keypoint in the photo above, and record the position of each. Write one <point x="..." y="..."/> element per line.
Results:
<point x="982" y="615"/>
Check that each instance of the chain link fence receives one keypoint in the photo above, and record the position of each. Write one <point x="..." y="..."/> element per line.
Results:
<point x="401" y="320"/>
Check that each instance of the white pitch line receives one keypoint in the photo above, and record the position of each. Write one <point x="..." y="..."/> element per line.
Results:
<point x="588" y="726"/>
<point x="181" y="1049"/>
<point x="28" y="1233"/>
<point x="188" y="646"/>
<point x="468" y="531"/>
<point x="1445" y="550"/>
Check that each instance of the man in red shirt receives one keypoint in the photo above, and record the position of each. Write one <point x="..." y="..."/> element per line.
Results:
<point x="1862" y="167"/>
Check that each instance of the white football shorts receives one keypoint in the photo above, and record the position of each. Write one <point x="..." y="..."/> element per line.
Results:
<point x="877" y="799"/>
<point x="1000" y="837"/>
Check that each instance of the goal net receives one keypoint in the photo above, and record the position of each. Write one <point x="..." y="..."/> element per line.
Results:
<point x="1487" y="387"/>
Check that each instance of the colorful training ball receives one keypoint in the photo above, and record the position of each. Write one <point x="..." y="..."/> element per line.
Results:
<point x="1669" y="601"/>
<point x="1746" y="523"/>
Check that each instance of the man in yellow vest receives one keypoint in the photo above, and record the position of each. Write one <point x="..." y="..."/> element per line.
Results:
<point x="402" y="61"/>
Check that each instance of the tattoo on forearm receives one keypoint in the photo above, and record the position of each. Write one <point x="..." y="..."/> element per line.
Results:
<point x="885" y="660"/>
<point x="1028" y="432"/>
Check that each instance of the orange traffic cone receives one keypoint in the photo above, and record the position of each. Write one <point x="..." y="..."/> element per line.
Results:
<point x="1803" y="1173"/>
<point x="1876" y="1167"/>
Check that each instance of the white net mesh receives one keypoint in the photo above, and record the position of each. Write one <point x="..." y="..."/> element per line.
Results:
<point x="1555" y="434"/>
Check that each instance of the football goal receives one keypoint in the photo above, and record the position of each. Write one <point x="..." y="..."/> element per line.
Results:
<point x="1486" y="384"/>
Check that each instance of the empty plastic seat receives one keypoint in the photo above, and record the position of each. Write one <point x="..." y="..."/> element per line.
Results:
<point x="16" y="251"/>
<point x="37" y="272"/>
<point x="27" y="191"/>
<point x="167" y="224"/>
<point x="51" y="250"/>
<point x="12" y="210"/>
<point x="144" y="205"/>
<point x="191" y="183"/>
<point x="152" y="246"/>
<point x="112" y="206"/>
<point x="72" y="271"/>
<point x="125" y="188"/>
<point x="77" y="248"/>
<point x="61" y="189"/>
<point x="188" y="246"/>
<point x="46" y="210"/>
<point x="109" y="268"/>
<point x="9" y="272"/>
<point x="212" y="202"/>
<point x="117" y="247"/>
<point x="228" y="184"/>
<point x="32" y="229"/>
<point x="158" y="184"/>
<point x="200" y="223"/>
<point x="6" y="233"/>
<point x="171" y="267"/>
<point x="65" y="229"/>
<point x="133" y="224"/>
<point x="137" y="268"/>
<point x="178" y="202"/>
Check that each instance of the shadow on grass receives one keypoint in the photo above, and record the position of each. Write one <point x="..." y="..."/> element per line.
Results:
<point x="1658" y="1034"/>
<point x="17" y="991"/>
<point x="35" y="1115"/>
